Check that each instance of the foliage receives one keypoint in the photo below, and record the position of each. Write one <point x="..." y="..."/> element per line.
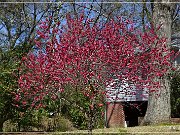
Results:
<point x="88" y="58"/>
<point x="37" y="120"/>
<point x="56" y="123"/>
<point x="9" y="63"/>
<point x="18" y="25"/>
<point x="75" y="107"/>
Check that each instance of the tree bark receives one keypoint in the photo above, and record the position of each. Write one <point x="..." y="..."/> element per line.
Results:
<point x="159" y="108"/>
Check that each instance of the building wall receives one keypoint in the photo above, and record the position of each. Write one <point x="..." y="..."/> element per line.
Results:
<point x="115" y="115"/>
<point x="175" y="120"/>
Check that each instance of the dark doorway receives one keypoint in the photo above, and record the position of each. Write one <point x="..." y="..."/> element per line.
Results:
<point x="133" y="110"/>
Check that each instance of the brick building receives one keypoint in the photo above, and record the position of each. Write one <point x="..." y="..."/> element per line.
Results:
<point x="124" y="105"/>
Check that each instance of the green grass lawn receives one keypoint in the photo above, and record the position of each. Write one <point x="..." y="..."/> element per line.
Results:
<point x="139" y="130"/>
<point x="142" y="130"/>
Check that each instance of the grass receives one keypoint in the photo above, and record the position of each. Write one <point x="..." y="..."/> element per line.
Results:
<point x="169" y="124"/>
<point x="155" y="129"/>
<point x="165" y="129"/>
<point x="139" y="130"/>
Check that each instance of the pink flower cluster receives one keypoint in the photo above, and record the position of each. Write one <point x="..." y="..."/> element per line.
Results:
<point x="81" y="54"/>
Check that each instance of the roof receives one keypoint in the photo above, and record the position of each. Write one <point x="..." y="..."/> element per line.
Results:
<point x="119" y="92"/>
<point x="175" y="40"/>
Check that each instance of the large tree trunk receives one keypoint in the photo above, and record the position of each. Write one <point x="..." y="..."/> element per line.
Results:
<point x="159" y="108"/>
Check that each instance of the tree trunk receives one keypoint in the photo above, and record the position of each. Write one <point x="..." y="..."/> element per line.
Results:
<point x="159" y="108"/>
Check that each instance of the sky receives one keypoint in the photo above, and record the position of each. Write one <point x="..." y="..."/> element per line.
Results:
<point x="127" y="10"/>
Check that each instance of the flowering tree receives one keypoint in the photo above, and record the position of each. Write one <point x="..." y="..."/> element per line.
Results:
<point x="88" y="57"/>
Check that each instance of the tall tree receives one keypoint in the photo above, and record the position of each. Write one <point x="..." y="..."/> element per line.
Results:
<point x="159" y="109"/>
<point x="18" y="23"/>
<point x="89" y="58"/>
